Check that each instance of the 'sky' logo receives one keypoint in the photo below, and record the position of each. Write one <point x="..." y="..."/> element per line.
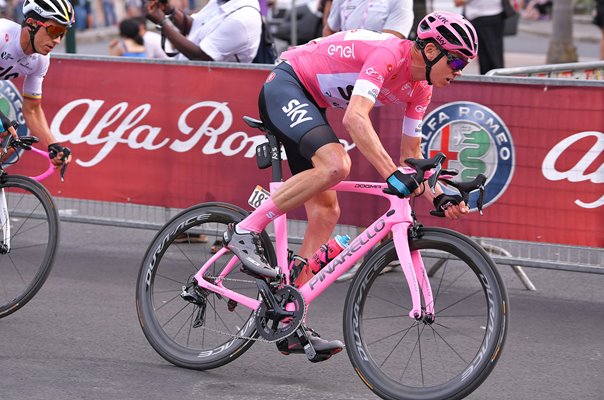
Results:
<point x="296" y="113"/>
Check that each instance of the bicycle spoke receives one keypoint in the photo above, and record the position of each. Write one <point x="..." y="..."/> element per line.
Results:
<point x="459" y="301"/>
<point x="391" y="335"/>
<point x="428" y="358"/>
<point x="206" y="337"/>
<point x="165" y="303"/>
<point x="169" y="279"/>
<point x="34" y="230"/>
<point x="22" y="231"/>
<point x="449" y="345"/>
<point x="389" y="302"/>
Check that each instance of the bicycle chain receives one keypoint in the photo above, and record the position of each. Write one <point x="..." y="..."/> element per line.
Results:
<point x="253" y="315"/>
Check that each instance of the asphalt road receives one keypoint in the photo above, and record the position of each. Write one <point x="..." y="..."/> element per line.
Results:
<point x="79" y="338"/>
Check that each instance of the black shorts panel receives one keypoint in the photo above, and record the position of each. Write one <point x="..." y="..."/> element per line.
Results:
<point x="291" y="114"/>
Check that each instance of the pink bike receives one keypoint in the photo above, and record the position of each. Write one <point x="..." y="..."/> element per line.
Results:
<point x="433" y="328"/>
<point x="29" y="225"/>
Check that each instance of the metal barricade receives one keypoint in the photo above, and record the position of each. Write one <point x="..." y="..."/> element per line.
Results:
<point x="593" y="70"/>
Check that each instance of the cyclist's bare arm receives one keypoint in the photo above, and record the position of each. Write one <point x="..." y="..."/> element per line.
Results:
<point x="175" y="29"/>
<point x="158" y="10"/>
<point x="38" y="126"/>
<point x="358" y="124"/>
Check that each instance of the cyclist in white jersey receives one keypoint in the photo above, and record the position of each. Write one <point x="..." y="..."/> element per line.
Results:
<point x="24" y="53"/>
<point x="355" y="70"/>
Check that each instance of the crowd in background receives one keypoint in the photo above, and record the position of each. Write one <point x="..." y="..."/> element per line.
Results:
<point x="105" y="13"/>
<point x="98" y="13"/>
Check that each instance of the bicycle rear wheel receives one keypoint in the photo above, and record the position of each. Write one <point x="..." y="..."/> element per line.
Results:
<point x="401" y="358"/>
<point x="207" y="333"/>
<point x="33" y="222"/>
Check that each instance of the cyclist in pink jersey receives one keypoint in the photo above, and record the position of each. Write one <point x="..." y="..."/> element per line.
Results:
<point x="356" y="70"/>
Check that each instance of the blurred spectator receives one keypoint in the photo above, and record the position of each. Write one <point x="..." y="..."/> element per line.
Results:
<point x="17" y="13"/>
<point x="324" y="8"/>
<point x="488" y="19"/>
<point x="309" y="23"/>
<point x="83" y="11"/>
<point x="109" y="12"/>
<point x="391" y="16"/>
<point x="419" y="12"/>
<point x="152" y="40"/>
<point x="538" y="10"/>
<point x="3" y="9"/>
<point x="599" y="21"/>
<point x="223" y="30"/>
<point x="134" y="8"/>
<point x="130" y="43"/>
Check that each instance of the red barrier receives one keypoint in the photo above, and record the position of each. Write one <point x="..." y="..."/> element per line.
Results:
<point x="173" y="135"/>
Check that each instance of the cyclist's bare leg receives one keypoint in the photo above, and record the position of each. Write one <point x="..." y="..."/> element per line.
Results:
<point x="323" y="212"/>
<point x="331" y="165"/>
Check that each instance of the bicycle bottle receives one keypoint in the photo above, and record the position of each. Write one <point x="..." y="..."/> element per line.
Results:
<point x="328" y="252"/>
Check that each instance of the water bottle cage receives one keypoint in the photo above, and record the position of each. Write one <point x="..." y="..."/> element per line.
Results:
<point x="296" y="269"/>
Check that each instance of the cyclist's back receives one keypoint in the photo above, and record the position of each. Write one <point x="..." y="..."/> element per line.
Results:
<point x="329" y="69"/>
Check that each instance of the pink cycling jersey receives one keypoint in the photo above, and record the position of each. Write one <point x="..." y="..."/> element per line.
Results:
<point x="360" y="62"/>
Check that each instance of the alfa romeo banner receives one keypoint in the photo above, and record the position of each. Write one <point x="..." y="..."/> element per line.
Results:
<point x="173" y="135"/>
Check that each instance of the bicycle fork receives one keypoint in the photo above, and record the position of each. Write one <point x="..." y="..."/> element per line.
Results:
<point x="5" y="224"/>
<point x="415" y="273"/>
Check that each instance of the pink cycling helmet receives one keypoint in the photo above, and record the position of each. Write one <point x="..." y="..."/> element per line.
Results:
<point x="451" y="31"/>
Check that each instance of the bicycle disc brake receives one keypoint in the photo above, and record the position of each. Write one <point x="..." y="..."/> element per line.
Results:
<point x="273" y="321"/>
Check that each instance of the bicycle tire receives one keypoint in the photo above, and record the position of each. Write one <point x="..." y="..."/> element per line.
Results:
<point x="166" y="319"/>
<point x="34" y="227"/>
<point x="400" y="358"/>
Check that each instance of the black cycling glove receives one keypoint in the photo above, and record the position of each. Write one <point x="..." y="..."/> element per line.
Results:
<point x="444" y="201"/>
<point x="55" y="148"/>
<point x="5" y="121"/>
<point x="402" y="184"/>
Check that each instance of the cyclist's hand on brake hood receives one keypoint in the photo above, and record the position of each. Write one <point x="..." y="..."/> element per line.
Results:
<point x="7" y="126"/>
<point x="59" y="155"/>
<point x="452" y="205"/>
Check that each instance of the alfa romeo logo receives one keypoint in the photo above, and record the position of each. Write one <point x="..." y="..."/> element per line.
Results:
<point x="475" y="141"/>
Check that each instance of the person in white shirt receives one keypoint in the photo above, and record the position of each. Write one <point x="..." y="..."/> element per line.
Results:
<point x="489" y="20"/>
<point x="224" y="30"/>
<point x="153" y="47"/>
<point x="390" y="16"/>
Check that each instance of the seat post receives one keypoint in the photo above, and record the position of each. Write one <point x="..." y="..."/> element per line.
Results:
<point x="276" y="167"/>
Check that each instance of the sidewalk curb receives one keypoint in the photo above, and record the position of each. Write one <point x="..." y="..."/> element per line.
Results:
<point x="583" y="29"/>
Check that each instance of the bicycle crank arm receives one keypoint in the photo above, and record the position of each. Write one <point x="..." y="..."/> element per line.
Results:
<point x="309" y="350"/>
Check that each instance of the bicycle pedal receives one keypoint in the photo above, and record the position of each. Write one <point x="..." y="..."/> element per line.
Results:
<point x="309" y="350"/>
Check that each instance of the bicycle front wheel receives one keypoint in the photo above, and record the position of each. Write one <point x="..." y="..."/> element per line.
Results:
<point x="401" y="358"/>
<point x="27" y="254"/>
<point x="204" y="330"/>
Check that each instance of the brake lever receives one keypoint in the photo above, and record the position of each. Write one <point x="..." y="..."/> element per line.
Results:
<point x="434" y="178"/>
<point x="480" y="201"/>
<point x="62" y="172"/>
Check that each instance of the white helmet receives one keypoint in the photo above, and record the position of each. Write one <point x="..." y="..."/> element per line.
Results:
<point x="58" y="10"/>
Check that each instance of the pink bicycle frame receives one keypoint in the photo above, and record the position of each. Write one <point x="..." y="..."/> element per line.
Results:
<point x="397" y="219"/>
<point x="49" y="170"/>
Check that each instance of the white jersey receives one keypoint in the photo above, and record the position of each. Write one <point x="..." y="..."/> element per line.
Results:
<point x="15" y="63"/>
<point x="375" y="15"/>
